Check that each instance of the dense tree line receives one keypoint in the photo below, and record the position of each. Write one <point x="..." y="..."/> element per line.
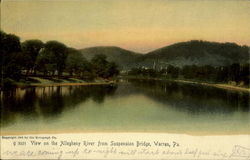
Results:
<point x="53" y="58"/>
<point x="234" y="73"/>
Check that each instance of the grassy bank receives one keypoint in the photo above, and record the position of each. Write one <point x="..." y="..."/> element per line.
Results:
<point x="46" y="82"/>
<point x="212" y="84"/>
<point x="218" y="85"/>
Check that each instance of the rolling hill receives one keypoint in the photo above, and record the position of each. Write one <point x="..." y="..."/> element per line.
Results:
<point x="179" y="54"/>
<point x="198" y="53"/>
<point x="124" y="58"/>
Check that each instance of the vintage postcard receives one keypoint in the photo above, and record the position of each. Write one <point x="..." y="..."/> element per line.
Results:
<point x="125" y="79"/>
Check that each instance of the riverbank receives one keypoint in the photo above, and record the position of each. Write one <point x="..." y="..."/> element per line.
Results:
<point x="41" y="82"/>
<point x="50" y="82"/>
<point x="73" y="84"/>
<point x="217" y="85"/>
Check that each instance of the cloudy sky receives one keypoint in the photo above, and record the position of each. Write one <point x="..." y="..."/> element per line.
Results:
<point x="138" y="25"/>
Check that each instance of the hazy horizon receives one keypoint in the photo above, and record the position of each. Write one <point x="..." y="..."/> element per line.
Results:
<point x="140" y="25"/>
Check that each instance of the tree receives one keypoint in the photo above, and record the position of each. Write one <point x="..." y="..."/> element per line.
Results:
<point x="173" y="71"/>
<point x="56" y="53"/>
<point x="234" y="72"/>
<point x="111" y="70"/>
<point x="99" y="64"/>
<point x="30" y="51"/>
<point x="222" y="74"/>
<point x="73" y="61"/>
<point x="102" y="68"/>
<point x="9" y="52"/>
<point x="206" y="72"/>
<point x="190" y="72"/>
<point x="245" y="74"/>
<point x="76" y="63"/>
<point x="44" y="62"/>
<point x="134" y="71"/>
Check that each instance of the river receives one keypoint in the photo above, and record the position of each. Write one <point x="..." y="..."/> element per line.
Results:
<point x="130" y="106"/>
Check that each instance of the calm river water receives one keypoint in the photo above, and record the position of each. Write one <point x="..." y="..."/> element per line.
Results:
<point x="134" y="106"/>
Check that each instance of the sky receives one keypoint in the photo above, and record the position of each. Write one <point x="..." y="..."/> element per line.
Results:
<point x="137" y="25"/>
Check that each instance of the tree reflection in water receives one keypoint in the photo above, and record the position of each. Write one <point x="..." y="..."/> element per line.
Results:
<point x="193" y="98"/>
<point x="48" y="101"/>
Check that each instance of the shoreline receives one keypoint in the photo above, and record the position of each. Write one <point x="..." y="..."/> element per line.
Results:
<point x="64" y="82"/>
<point x="71" y="84"/>
<point x="111" y="82"/>
<point x="217" y="85"/>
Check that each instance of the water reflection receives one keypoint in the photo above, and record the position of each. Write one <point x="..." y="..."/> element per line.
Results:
<point x="137" y="105"/>
<point x="194" y="99"/>
<point x="48" y="102"/>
